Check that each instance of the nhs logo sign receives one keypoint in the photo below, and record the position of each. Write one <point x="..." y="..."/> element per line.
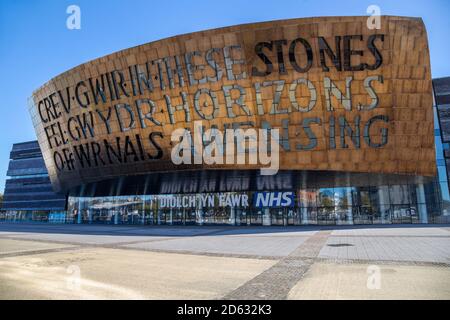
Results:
<point x="273" y="199"/>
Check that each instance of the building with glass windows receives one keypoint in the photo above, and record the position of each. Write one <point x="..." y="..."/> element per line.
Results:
<point x="140" y="136"/>
<point x="29" y="198"/>
<point x="28" y="192"/>
<point x="441" y="89"/>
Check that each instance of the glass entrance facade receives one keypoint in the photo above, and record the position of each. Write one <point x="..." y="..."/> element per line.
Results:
<point x="390" y="204"/>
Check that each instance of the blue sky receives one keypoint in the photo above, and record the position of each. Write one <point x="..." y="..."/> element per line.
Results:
<point x="35" y="44"/>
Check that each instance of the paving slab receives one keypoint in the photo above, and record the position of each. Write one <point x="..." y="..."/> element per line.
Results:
<point x="403" y="230"/>
<point x="100" y="273"/>
<point x="410" y="249"/>
<point x="10" y="246"/>
<point x="87" y="239"/>
<point x="255" y="246"/>
<point x="358" y="281"/>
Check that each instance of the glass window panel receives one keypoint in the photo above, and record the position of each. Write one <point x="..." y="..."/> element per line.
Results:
<point x="412" y="193"/>
<point x="383" y="195"/>
<point x="439" y="148"/>
<point x="399" y="194"/>
<point x="343" y="197"/>
<point x="383" y="215"/>
<point x="344" y="214"/>
<point x="365" y="198"/>
<point x="326" y="197"/>
<point x="404" y="214"/>
<point x="326" y="215"/>
<point x="308" y="197"/>
<point x="442" y="173"/>
<point x="444" y="191"/>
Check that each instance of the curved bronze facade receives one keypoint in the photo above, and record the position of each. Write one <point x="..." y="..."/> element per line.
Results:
<point x="345" y="98"/>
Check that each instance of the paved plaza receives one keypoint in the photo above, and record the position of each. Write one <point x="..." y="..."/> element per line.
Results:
<point x="45" y="261"/>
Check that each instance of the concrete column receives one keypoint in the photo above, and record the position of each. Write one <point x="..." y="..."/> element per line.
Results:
<point x="382" y="204"/>
<point x="233" y="216"/>
<point x="79" y="218"/>
<point x="116" y="217"/>
<point x="143" y="212"/>
<point x="237" y="217"/>
<point x="266" y="217"/>
<point x="89" y="216"/>
<point x="350" y="206"/>
<point x="200" y="216"/>
<point x="339" y="221"/>
<point x="421" y="203"/>
<point x="248" y="216"/>
<point x="304" y="213"/>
